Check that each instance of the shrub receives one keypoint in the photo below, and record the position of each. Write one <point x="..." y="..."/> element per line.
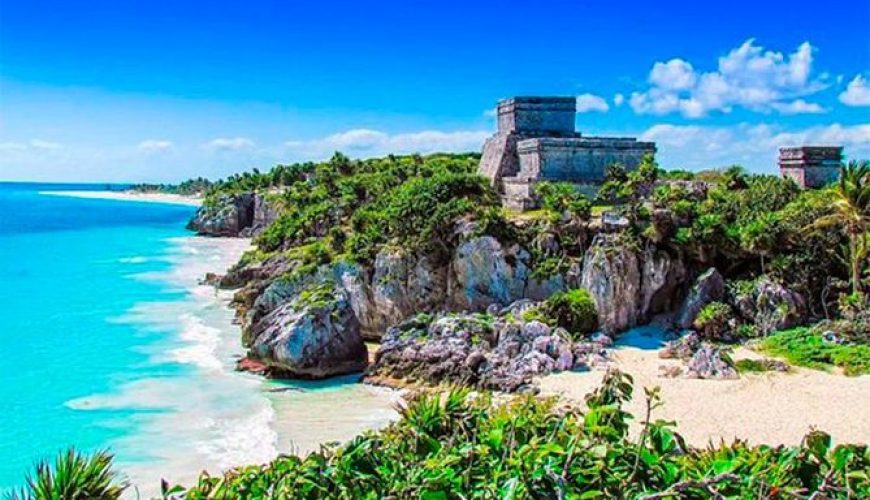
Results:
<point x="561" y="197"/>
<point x="712" y="320"/>
<point x="74" y="476"/>
<point x="573" y="310"/>
<point x="456" y="445"/>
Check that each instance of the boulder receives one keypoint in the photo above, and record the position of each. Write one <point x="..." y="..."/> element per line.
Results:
<point x="769" y="305"/>
<point x="682" y="348"/>
<point x="710" y="362"/>
<point x="316" y="335"/>
<point x="709" y="287"/>
<point x="611" y="274"/>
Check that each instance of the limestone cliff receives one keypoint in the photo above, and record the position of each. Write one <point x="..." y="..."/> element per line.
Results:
<point x="244" y="214"/>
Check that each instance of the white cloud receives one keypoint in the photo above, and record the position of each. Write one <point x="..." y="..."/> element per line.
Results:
<point x="32" y="144"/>
<point x="41" y="144"/>
<point x="675" y="74"/>
<point x="618" y="99"/>
<point x="155" y="146"/>
<point x="754" y="146"/>
<point x="12" y="146"/>
<point x="748" y="76"/>
<point x="367" y="142"/>
<point x="591" y="102"/>
<point x="857" y="93"/>
<point x="229" y="144"/>
<point x="798" y="106"/>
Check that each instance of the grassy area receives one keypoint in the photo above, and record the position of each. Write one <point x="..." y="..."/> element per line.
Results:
<point x="805" y="347"/>
<point x="754" y="365"/>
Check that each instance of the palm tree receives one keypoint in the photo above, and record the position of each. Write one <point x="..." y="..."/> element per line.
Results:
<point x="851" y="212"/>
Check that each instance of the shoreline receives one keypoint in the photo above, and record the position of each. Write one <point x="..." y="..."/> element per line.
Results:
<point x="767" y="408"/>
<point x="133" y="196"/>
<point x="236" y="418"/>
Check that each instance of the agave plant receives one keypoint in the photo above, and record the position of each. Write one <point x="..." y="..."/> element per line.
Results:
<point x="73" y="476"/>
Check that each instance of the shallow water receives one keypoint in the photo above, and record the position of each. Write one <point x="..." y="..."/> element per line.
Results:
<point x="109" y="341"/>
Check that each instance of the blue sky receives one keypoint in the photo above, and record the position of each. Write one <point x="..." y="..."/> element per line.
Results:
<point x="161" y="91"/>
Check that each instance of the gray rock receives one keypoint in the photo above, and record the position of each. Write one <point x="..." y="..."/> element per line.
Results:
<point x="682" y="348"/>
<point x="227" y="216"/>
<point x="709" y="287"/>
<point x="611" y="274"/>
<point x="709" y="362"/>
<point x="501" y="354"/>
<point x="770" y="306"/>
<point x="312" y="338"/>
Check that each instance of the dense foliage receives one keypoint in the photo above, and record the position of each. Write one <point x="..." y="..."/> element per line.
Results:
<point x="455" y="445"/>
<point x="190" y="187"/>
<point x="359" y="205"/>
<point x="574" y="310"/>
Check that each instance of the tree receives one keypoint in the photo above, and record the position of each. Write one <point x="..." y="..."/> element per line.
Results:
<point x="852" y="215"/>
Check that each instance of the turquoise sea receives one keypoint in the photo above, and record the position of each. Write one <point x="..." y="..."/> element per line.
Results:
<point x="108" y="341"/>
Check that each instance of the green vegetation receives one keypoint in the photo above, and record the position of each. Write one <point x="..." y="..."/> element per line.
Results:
<point x="189" y="187"/>
<point x="455" y="445"/>
<point x="806" y="347"/>
<point x="712" y="320"/>
<point x="73" y="476"/>
<point x="851" y="212"/>
<point x="754" y="365"/>
<point x="574" y="310"/>
<point x="358" y="206"/>
<point x="559" y="198"/>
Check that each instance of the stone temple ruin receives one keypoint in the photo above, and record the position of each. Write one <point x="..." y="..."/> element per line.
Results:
<point x="536" y="142"/>
<point x="811" y="166"/>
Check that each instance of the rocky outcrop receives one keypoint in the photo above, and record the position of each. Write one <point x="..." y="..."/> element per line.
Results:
<point x="710" y="362"/>
<point x="629" y="285"/>
<point x="265" y="212"/>
<point x="611" y="274"/>
<point x="503" y="353"/>
<point x="663" y="280"/>
<point x="769" y="305"/>
<point x="315" y="335"/>
<point x="245" y="214"/>
<point x="484" y="272"/>
<point x="709" y="287"/>
<point x="402" y="285"/>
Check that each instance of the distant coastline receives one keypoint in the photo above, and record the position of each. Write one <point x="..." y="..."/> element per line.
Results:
<point x="175" y="199"/>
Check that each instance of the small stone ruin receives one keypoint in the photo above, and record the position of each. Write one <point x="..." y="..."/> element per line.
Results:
<point x="536" y="141"/>
<point x="811" y="166"/>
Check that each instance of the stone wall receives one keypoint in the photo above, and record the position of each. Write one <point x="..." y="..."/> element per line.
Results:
<point x="811" y="166"/>
<point x="579" y="159"/>
<point x="536" y="141"/>
<point x="537" y="115"/>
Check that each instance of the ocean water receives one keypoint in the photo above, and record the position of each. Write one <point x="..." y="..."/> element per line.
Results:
<point x="109" y="341"/>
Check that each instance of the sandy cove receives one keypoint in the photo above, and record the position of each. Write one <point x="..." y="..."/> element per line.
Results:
<point x="175" y="199"/>
<point x="767" y="408"/>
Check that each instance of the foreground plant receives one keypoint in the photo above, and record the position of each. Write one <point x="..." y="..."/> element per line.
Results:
<point x="73" y="476"/>
<point x="456" y="445"/>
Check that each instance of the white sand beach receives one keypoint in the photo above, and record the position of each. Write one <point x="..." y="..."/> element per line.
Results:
<point x="175" y="199"/>
<point x="767" y="408"/>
